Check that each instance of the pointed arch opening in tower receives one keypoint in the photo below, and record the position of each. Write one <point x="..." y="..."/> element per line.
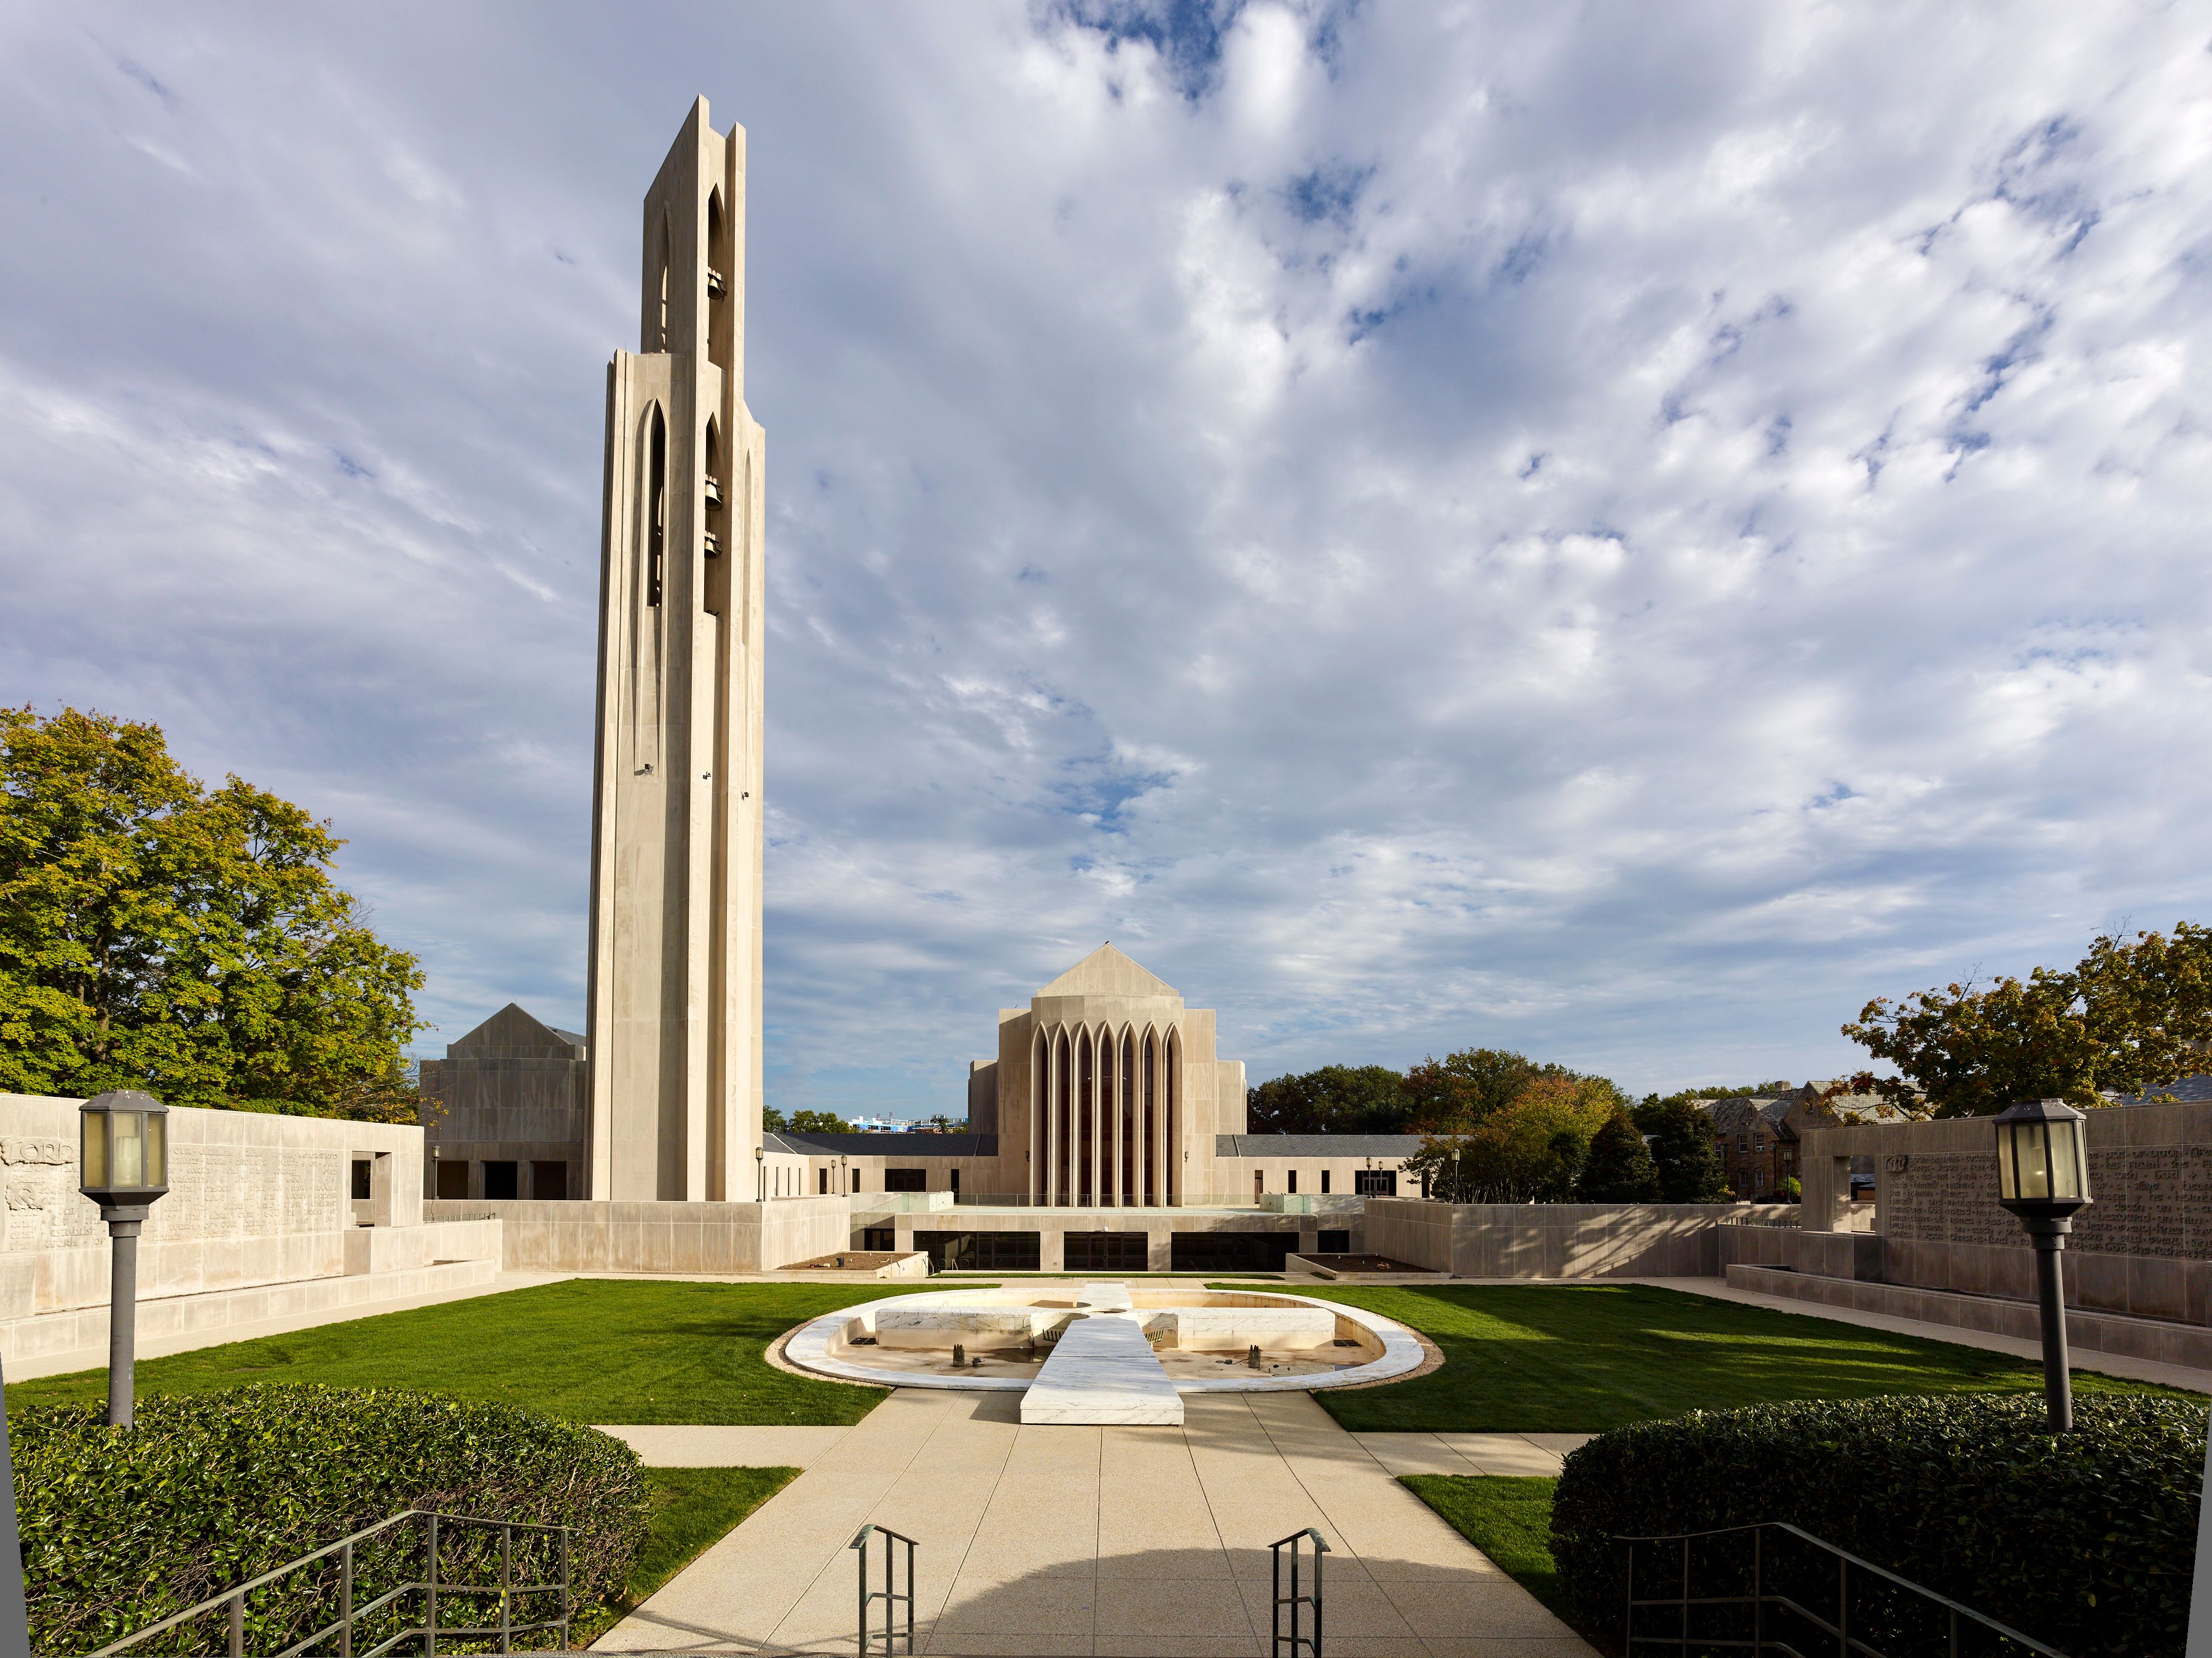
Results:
<point x="660" y="284"/>
<point x="718" y="288"/>
<point x="656" y="535"/>
<point x="714" y="467"/>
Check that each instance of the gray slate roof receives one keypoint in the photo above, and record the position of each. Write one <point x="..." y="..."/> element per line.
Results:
<point x="1738" y="1115"/>
<point x="2182" y="1088"/>
<point x="1315" y="1145"/>
<point x="885" y="1145"/>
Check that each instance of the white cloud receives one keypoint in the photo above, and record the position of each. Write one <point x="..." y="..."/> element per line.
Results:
<point x="1621" y="536"/>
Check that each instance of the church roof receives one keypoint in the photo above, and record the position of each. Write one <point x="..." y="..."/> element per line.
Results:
<point x="1107" y="972"/>
<point x="1315" y="1145"/>
<point x="514" y="1032"/>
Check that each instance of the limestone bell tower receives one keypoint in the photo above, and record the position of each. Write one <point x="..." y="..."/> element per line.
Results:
<point x="675" y="969"/>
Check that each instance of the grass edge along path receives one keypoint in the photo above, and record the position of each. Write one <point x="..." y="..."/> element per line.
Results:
<point x="1584" y="1358"/>
<point x="1509" y="1518"/>
<point x="584" y="1350"/>
<point x="693" y="1510"/>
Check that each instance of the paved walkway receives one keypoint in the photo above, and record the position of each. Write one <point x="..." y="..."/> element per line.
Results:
<point x="1471" y="1453"/>
<point x="663" y="1447"/>
<point x="1139" y="1540"/>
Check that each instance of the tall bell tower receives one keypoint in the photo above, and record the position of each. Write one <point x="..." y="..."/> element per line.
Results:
<point x="676" y="840"/>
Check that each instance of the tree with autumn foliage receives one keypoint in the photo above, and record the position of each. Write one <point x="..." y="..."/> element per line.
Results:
<point x="1529" y="1150"/>
<point x="2130" y="1016"/>
<point x="159" y="935"/>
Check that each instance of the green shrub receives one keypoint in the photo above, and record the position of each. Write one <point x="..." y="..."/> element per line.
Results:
<point x="2085" y="1542"/>
<point x="122" y="1527"/>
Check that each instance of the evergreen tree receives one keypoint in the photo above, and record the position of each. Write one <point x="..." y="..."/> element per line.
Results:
<point x="1619" y="1168"/>
<point x="1689" y="1165"/>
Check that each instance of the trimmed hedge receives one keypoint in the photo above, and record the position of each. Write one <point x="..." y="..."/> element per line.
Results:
<point x="122" y="1527"/>
<point x="2085" y="1542"/>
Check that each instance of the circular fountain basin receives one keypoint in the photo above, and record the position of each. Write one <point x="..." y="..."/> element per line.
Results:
<point x="1203" y="1339"/>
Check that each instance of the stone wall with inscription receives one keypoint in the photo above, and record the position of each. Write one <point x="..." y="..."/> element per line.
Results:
<point x="253" y="1198"/>
<point x="2143" y="1246"/>
<point x="2150" y="1200"/>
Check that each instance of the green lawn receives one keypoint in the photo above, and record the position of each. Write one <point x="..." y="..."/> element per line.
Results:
<point x="1581" y="1359"/>
<point x="588" y="1349"/>
<point x="1508" y="1517"/>
<point x="695" y="1507"/>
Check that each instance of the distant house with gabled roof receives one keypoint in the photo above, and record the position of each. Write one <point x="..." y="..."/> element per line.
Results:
<point x="1760" y="1138"/>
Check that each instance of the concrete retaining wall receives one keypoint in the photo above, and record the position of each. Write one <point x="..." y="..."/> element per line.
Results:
<point x="660" y="1238"/>
<point x="84" y="1330"/>
<point x="2087" y="1330"/>
<point x="1825" y="1254"/>
<point x="1559" y="1239"/>
<point x="2142" y="1250"/>
<point x="254" y="1199"/>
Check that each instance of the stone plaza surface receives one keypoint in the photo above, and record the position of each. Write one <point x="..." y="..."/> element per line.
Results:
<point x="1103" y="1371"/>
<point x="1112" y="1540"/>
<point x="661" y="1445"/>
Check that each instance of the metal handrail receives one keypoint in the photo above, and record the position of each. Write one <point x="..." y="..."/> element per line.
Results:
<point x="232" y="1601"/>
<point x="1293" y="1640"/>
<point x="1761" y="1598"/>
<point x="888" y="1594"/>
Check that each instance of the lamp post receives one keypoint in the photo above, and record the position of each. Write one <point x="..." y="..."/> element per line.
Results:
<point x="14" y="1618"/>
<point x="126" y="1167"/>
<point x="2044" y="1178"/>
<point x="760" y="1171"/>
<point x="844" y="1181"/>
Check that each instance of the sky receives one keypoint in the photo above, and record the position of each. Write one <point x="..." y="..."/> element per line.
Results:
<point x="1620" y="532"/>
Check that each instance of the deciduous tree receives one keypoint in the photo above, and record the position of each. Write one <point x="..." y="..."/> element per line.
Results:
<point x="819" y="1122"/>
<point x="190" y="941"/>
<point x="1337" y="1099"/>
<point x="1531" y="1149"/>
<point x="2132" y="1016"/>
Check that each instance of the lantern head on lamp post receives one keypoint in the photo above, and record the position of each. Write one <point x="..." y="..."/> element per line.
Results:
<point x="2043" y="1176"/>
<point x="124" y="1168"/>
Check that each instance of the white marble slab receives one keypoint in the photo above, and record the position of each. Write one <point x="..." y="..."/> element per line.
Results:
<point x="1104" y="1297"/>
<point x="1225" y="1329"/>
<point x="1103" y="1371"/>
<point x="975" y="1327"/>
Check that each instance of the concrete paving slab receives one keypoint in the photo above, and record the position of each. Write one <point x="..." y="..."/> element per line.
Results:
<point x="1414" y="1453"/>
<point x="1125" y="1542"/>
<point x="1504" y="1453"/>
<point x="658" y="1446"/>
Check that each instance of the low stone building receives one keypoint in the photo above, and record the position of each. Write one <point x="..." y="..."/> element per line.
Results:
<point x="513" y="1116"/>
